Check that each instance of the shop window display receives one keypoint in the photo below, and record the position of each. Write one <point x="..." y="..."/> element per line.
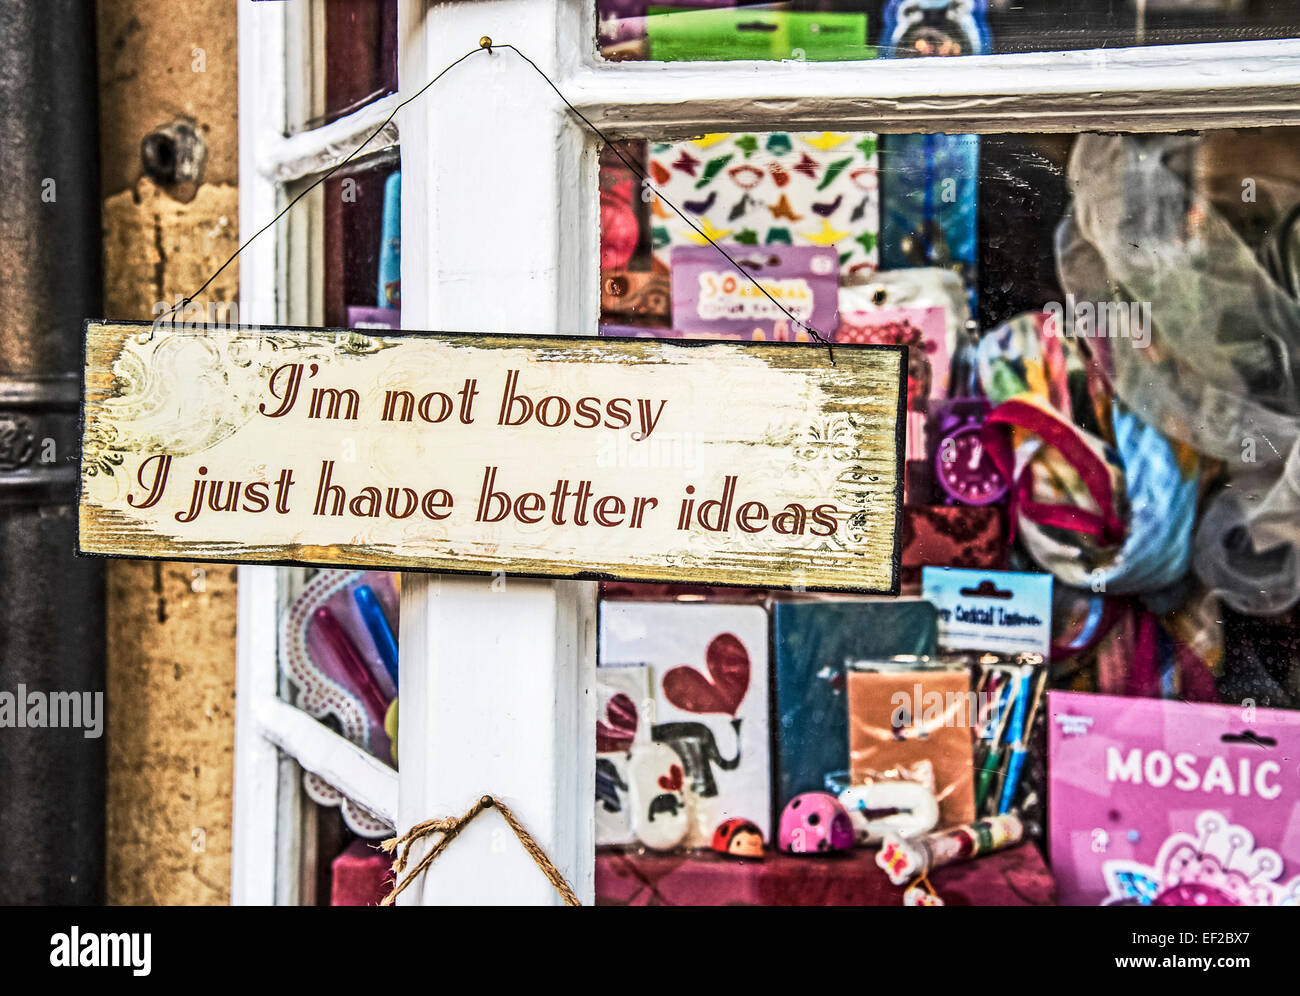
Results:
<point x="1098" y="534"/>
<point x="924" y="761"/>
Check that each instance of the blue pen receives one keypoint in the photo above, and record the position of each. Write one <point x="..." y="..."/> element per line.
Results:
<point x="1017" y="759"/>
<point x="372" y="613"/>
<point x="390" y="245"/>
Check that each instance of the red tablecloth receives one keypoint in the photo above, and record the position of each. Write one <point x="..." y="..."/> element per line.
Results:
<point x="1017" y="877"/>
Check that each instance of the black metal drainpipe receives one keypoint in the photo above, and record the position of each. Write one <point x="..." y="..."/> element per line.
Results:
<point x="52" y="781"/>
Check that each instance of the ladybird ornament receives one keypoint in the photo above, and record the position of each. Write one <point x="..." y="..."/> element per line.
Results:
<point x="738" y="837"/>
<point x="815" y="823"/>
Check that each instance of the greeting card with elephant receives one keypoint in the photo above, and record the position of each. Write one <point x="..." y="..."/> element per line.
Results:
<point x="694" y="751"/>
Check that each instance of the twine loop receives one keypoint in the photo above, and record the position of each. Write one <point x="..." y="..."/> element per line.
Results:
<point x="450" y="828"/>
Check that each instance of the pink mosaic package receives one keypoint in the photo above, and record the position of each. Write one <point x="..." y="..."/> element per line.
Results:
<point x="1162" y="803"/>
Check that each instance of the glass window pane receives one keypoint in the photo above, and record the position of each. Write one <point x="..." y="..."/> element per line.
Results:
<point x="363" y="217"/>
<point x="338" y="652"/>
<point x="342" y="56"/>
<point x="709" y="30"/>
<point x="360" y="53"/>
<point x="347" y="232"/>
<point x="336" y="843"/>
<point x="1117" y="316"/>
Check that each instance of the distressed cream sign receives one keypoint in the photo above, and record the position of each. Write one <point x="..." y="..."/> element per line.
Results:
<point x="662" y="460"/>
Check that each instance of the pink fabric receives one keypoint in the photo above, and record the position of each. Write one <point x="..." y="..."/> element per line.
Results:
<point x="1017" y="877"/>
<point x="1093" y="472"/>
<point x="1195" y="677"/>
<point x="360" y="876"/>
<point x="1113" y="652"/>
<point x="1143" y="672"/>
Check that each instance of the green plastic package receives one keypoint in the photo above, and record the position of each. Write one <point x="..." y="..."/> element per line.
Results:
<point x="736" y="33"/>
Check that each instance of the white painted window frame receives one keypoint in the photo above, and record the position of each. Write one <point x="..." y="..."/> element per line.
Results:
<point x="501" y="233"/>
<point x="280" y="283"/>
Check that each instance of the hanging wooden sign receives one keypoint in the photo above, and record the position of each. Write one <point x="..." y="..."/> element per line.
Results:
<point x="644" y="459"/>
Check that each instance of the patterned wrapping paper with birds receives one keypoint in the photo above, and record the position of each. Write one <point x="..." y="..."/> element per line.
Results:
<point x="790" y="189"/>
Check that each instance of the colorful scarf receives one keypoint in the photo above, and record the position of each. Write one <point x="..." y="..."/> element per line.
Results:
<point x="1116" y="519"/>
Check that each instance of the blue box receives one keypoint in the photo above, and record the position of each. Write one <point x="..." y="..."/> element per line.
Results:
<point x="811" y="643"/>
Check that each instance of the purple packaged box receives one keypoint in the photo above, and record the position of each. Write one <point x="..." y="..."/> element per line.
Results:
<point x="374" y="318"/>
<point x="710" y="298"/>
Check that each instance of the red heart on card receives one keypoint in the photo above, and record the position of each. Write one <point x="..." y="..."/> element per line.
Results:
<point x="672" y="782"/>
<point x="723" y="690"/>
<point x="620" y="710"/>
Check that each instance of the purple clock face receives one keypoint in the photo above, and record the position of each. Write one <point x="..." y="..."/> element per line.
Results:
<point x="966" y="470"/>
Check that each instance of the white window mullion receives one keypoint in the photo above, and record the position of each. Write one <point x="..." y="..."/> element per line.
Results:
<point x="262" y="118"/>
<point x="257" y="767"/>
<point x="500" y="234"/>
<point x="255" y="820"/>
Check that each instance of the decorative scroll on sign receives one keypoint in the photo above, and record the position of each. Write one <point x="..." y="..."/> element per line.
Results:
<point x="661" y="460"/>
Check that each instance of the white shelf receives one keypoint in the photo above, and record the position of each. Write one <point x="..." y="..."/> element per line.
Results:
<point x="309" y="152"/>
<point x="360" y="776"/>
